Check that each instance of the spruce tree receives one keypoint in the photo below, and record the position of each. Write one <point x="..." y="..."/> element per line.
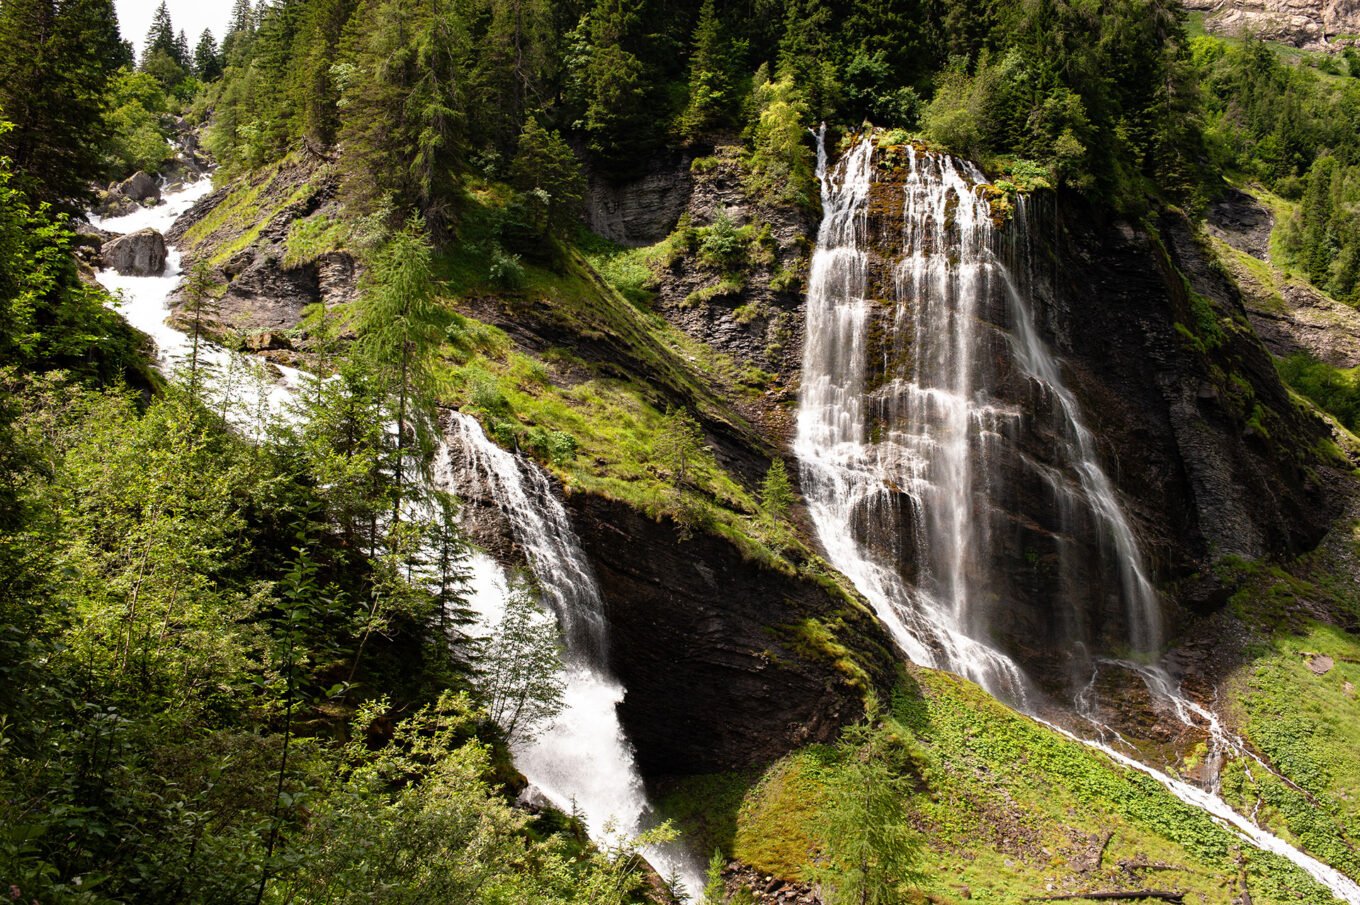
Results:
<point x="546" y="170"/>
<point x="714" y="71"/>
<point x="161" y="35"/>
<point x="239" y="31"/>
<point x="207" y="60"/>
<point x="55" y="64"/>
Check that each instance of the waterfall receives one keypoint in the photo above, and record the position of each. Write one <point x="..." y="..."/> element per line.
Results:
<point x="936" y="436"/>
<point x="583" y="761"/>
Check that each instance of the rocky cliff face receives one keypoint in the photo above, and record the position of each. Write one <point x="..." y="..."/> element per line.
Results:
<point x="727" y="663"/>
<point x="1288" y="314"/>
<point x="241" y="234"/>
<point x="1314" y="24"/>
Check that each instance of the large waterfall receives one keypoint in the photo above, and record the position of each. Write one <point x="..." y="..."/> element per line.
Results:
<point x="922" y="452"/>
<point x="947" y="469"/>
<point x="583" y="761"/>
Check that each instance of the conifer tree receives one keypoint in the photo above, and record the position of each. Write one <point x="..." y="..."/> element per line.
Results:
<point x="622" y="94"/>
<point x="546" y="170"/>
<point x="207" y="59"/>
<point x="401" y="323"/>
<point x="713" y="76"/>
<point x="239" y="31"/>
<point x="160" y="36"/>
<point x="55" y="65"/>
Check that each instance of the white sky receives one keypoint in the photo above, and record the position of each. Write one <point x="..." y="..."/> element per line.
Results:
<point x="134" y="18"/>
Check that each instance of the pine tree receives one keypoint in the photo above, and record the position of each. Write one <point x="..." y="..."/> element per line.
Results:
<point x="624" y="106"/>
<point x="207" y="60"/>
<point x="1319" y="239"/>
<point x="182" y="55"/>
<point x="870" y="849"/>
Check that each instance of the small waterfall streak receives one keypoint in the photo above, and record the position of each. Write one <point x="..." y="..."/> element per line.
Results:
<point x="934" y="434"/>
<point x="1341" y="886"/>
<point x="584" y="761"/>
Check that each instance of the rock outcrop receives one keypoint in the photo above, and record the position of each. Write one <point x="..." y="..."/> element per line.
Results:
<point x="1313" y="24"/>
<point x="140" y="187"/>
<point x="141" y="254"/>
<point x="642" y="210"/>
<point x="267" y="289"/>
<point x="719" y="654"/>
<point x="1288" y="314"/>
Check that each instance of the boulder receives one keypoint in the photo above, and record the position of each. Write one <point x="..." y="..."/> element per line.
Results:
<point x="140" y="254"/>
<point x="113" y="203"/>
<point x="140" y="187"/>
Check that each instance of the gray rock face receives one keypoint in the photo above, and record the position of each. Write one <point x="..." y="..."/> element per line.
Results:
<point x="642" y="211"/>
<point x="1303" y="23"/>
<point x="265" y="297"/>
<point x="139" y="254"/>
<point x="1288" y="315"/>
<point x="140" y="187"/>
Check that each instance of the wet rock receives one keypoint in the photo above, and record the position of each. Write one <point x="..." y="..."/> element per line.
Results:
<point x="141" y="254"/>
<point x="140" y="187"/>
<point x="113" y="203"/>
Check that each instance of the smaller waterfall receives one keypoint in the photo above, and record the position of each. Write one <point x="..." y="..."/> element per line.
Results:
<point x="584" y="760"/>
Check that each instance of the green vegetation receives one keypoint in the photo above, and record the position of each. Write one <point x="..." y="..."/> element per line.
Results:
<point x="1000" y="805"/>
<point x="1334" y="390"/>
<point x="1293" y="128"/>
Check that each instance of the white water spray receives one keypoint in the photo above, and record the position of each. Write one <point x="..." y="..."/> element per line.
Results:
<point x="907" y="464"/>
<point x="584" y="759"/>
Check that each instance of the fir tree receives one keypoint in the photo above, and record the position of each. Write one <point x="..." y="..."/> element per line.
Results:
<point x="207" y="59"/>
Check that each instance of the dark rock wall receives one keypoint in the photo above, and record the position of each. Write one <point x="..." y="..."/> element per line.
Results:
<point x="1199" y="433"/>
<point x="704" y="642"/>
<point x="641" y="210"/>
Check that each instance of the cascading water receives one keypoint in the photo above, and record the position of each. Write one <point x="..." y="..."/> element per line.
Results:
<point x="583" y="760"/>
<point x="247" y="393"/>
<point x="936" y="437"/>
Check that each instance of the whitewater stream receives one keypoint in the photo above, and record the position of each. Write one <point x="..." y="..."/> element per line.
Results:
<point x="584" y="761"/>
<point x="912" y="450"/>
<point x="250" y="389"/>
